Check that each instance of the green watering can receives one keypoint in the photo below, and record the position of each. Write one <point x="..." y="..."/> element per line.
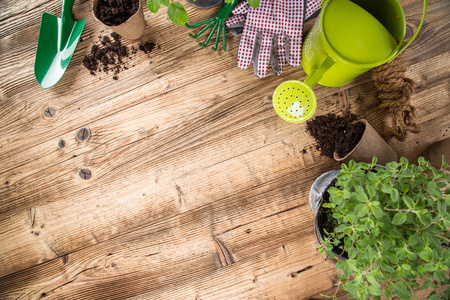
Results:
<point x="349" y="38"/>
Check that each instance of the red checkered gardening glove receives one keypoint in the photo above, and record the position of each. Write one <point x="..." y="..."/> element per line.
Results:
<point x="272" y="33"/>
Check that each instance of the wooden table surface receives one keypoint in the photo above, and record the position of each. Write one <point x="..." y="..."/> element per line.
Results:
<point x="197" y="189"/>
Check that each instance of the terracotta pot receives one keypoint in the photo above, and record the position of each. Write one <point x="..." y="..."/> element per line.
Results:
<point x="437" y="150"/>
<point x="131" y="29"/>
<point x="202" y="4"/>
<point x="370" y="145"/>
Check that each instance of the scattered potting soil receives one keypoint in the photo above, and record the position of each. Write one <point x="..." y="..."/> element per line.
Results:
<point x="335" y="133"/>
<point x="147" y="47"/>
<point x="116" y="12"/>
<point x="109" y="55"/>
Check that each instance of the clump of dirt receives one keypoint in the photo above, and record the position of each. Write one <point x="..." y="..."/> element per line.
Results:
<point x="335" y="133"/>
<point x="147" y="47"/>
<point x="116" y="12"/>
<point x="109" y="55"/>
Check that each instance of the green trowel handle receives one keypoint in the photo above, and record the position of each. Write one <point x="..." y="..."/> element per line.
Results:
<point x="411" y="39"/>
<point x="226" y="9"/>
<point x="67" y="9"/>
<point x="67" y="23"/>
<point x="313" y="78"/>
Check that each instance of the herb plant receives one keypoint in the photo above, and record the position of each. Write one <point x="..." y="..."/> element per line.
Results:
<point x="177" y="13"/>
<point x="394" y="223"/>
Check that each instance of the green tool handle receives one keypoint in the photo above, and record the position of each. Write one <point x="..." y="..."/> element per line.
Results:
<point x="313" y="78"/>
<point x="67" y="9"/>
<point x="226" y="9"/>
<point x="67" y="22"/>
<point x="411" y="39"/>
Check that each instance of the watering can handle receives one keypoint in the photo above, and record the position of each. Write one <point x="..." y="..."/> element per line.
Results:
<point x="313" y="78"/>
<point x="411" y="39"/>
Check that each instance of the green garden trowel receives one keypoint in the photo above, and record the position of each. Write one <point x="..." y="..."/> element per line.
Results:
<point x="58" y="38"/>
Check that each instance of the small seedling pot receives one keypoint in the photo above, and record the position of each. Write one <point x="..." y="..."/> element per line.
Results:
<point x="370" y="145"/>
<point x="203" y="4"/>
<point x="439" y="149"/>
<point x="131" y="29"/>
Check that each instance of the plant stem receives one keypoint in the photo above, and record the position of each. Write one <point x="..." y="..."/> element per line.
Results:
<point x="407" y="210"/>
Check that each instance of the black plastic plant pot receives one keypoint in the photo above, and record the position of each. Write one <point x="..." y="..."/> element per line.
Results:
<point x="204" y="4"/>
<point x="320" y="238"/>
<point x="316" y="193"/>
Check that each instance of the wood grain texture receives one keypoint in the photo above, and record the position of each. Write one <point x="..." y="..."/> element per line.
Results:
<point x="197" y="189"/>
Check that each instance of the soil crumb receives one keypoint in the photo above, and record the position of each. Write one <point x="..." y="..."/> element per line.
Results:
<point x="147" y="47"/>
<point x="116" y="12"/>
<point x="109" y="55"/>
<point x="335" y="133"/>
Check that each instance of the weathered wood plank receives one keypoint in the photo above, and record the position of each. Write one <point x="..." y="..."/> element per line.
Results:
<point x="186" y="250"/>
<point x="198" y="189"/>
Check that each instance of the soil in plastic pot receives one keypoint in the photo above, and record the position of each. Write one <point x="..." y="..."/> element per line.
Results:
<point x="335" y="133"/>
<point x="327" y="223"/>
<point x="116" y="12"/>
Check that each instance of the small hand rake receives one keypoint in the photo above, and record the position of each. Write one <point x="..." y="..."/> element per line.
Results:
<point x="219" y="24"/>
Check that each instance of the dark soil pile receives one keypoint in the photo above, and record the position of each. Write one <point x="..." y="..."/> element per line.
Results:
<point x="116" y="12"/>
<point x="109" y="55"/>
<point x="335" y="133"/>
<point x="147" y="47"/>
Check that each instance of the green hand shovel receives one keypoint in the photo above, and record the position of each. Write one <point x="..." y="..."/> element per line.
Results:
<point x="58" y="38"/>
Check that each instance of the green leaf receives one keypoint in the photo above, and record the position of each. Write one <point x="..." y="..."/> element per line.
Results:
<point x="435" y="297"/>
<point x="374" y="160"/>
<point x="387" y="293"/>
<point x="369" y="254"/>
<point x="413" y="239"/>
<point x="386" y="188"/>
<point x="409" y="202"/>
<point x="360" y="210"/>
<point x="372" y="280"/>
<point x="394" y="195"/>
<point x="177" y="14"/>
<point x="440" y="275"/>
<point x="153" y="5"/>
<point x="405" y="188"/>
<point x="441" y="207"/>
<point x="426" y="256"/>
<point x="399" y="218"/>
<point x="406" y="267"/>
<point x="374" y="290"/>
<point x="165" y="2"/>
<point x="387" y="268"/>
<point x="401" y="292"/>
<point x="361" y="195"/>
<point x="253" y="3"/>
<point x="412" y="256"/>
<point x="429" y="267"/>
<point x="377" y="211"/>
<point x="371" y="191"/>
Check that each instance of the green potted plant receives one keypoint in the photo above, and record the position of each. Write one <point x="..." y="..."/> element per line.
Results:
<point x="392" y="224"/>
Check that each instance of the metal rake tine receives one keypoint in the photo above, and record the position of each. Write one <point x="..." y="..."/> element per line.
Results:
<point x="199" y="23"/>
<point x="210" y="36"/>
<point x="218" y="36"/>
<point x="203" y="30"/>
